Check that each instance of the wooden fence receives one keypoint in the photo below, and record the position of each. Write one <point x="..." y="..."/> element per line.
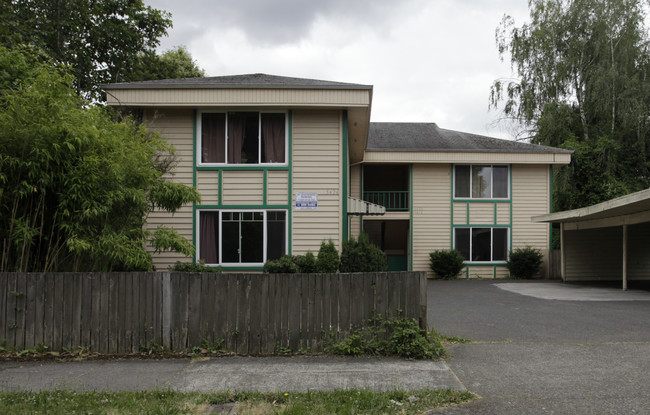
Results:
<point x="555" y="264"/>
<point x="250" y="313"/>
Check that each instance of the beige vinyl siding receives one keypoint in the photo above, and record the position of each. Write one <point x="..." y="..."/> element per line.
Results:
<point x="485" y="272"/>
<point x="460" y="213"/>
<point x="638" y="242"/>
<point x="277" y="185"/>
<point x="207" y="183"/>
<point x="597" y="253"/>
<point x="594" y="254"/>
<point x="480" y="213"/>
<point x="316" y="167"/>
<point x="465" y="157"/>
<point x="355" y="192"/>
<point x="238" y="97"/>
<point x="530" y="197"/>
<point x="176" y="127"/>
<point x="431" y="212"/>
<point x="242" y="187"/>
<point x="503" y="213"/>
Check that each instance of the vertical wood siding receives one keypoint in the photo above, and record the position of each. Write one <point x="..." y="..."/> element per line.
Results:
<point x="431" y="212"/>
<point x="316" y="167"/>
<point x="638" y="242"/>
<point x="176" y="127"/>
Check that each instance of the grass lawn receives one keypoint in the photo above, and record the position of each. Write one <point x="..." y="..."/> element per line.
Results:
<point x="168" y="402"/>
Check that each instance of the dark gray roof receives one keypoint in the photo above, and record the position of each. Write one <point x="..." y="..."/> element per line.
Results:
<point x="258" y="80"/>
<point x="406" y="136"/>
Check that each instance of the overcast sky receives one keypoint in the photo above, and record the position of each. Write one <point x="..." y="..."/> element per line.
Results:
<point x="429" y="61"/>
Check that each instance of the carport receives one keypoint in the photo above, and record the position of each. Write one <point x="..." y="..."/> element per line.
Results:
<point x="609" y="241"/>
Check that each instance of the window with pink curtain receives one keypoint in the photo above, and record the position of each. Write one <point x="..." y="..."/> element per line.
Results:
<point x="273" y="133"/>
<point x="213" y="138"/>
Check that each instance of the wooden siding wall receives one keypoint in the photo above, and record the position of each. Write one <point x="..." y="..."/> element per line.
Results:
<point x="176" y="126"/>
<point x="593" y="254"/>
<point x="250" y="313"/>
<point x="531" y="197"/>
<point x="597" y="254"/>
<point x="431" y="212"/>
<point x="355" y="191"/>
<point x="317" y="167"/>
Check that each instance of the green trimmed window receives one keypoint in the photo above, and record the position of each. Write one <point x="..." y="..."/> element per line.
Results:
<point x="481" y="181"/>
<point x="482" y="244"/>
<point x="241" y="237"/>
<point x="242" y="137"/>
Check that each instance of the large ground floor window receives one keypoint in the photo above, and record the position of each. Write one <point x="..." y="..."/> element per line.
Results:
<point x="482" y="244"/>
<point x="241" y="237"/>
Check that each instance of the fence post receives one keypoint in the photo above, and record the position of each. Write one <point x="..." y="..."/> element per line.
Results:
<point x="166" y="309"/>
<point x="423" y="300"/>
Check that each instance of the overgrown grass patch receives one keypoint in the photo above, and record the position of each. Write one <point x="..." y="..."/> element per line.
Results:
<point x="172" y="403"/>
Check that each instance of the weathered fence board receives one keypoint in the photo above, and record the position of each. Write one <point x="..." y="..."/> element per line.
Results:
<point x="245" y="313"/>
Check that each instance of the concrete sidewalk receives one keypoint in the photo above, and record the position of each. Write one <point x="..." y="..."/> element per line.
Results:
<point x="263" y="374"/>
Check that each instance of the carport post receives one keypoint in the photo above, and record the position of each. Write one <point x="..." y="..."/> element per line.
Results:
<point x="562" y="270"/>
<point x="624" y="257"/>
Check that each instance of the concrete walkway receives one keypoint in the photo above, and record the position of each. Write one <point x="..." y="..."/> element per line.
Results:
<point x="263" y="374"/>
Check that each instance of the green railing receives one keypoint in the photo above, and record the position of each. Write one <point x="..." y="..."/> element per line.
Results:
<point x="391" y="200"/>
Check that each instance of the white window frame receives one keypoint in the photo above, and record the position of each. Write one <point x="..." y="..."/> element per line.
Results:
<point x="491" y="228"/>
<point x="491" y="181"/>
<point x="264" y="235"/>
<point x="199" y="127"/>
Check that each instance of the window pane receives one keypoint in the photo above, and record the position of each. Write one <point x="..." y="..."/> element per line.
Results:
<point x="500" y="186"/>
<point x="243" y="137"/>
<point x="230" y="241"/>
<point x="481" y="240"/>
<point x="275" y="234"/>
<point x="499" y="244"/>
<point x="481" y="182"/>
<point x="213" y="138"/>
<point x="462" y="181"/>
<point x="461" y="242"/>
<point x="273" y="138"/>
<point x="209" y="237"/>
<point x="252" y="241"/>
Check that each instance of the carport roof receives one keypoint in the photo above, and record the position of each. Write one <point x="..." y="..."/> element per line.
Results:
<point x="631" y="205"/>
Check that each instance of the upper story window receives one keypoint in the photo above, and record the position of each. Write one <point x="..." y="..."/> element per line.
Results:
<point x="481" y="181"/>
<point x="242" y="137"/>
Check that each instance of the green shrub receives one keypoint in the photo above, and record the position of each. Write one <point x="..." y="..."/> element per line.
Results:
<point x="284" y="265"/>
<point x="306" y="263"/>
<point x="193" y="267"/>
<point x="524" y="262"/>
<point x="393" y="337"/>
<point x="328" y="258"/>
<point x="362" y="256"/>
<point x="446" y="263"/>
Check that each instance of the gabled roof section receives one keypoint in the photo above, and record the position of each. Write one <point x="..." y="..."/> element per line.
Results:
<point x="249" y="81"/>
<point x="428" y="137"/>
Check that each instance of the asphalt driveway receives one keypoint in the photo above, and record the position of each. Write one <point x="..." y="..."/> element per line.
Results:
<point x="546" y="347"/>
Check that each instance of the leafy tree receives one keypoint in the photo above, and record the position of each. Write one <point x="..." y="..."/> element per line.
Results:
<point x="172" y="64"/>
<point x="100" y="40"/>
<point x="75" y="186"/>
<point x="582" y="83"/>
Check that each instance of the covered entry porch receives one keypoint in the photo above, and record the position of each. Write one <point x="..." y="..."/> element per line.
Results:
<point x="609" y="241"/>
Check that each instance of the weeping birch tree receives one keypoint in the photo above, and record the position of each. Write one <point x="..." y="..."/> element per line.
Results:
<point x="581" y="82"/>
